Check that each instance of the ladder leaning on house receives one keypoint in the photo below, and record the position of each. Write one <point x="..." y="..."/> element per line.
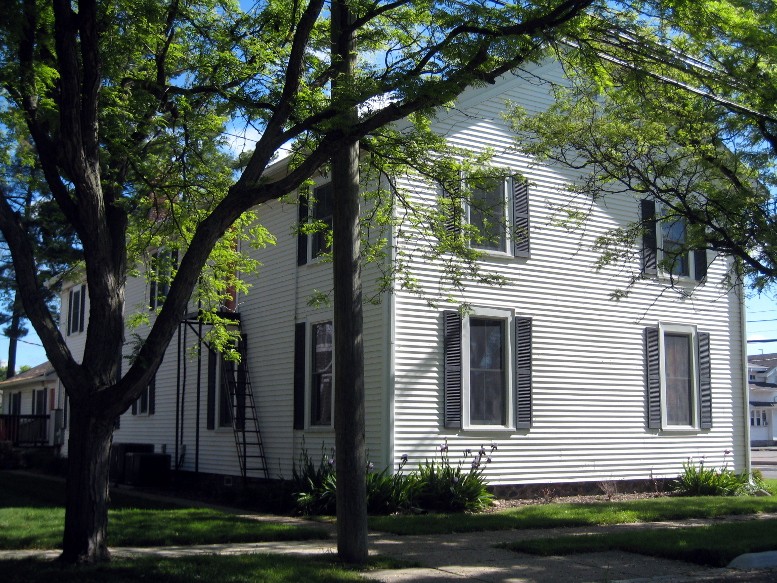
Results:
<point x="245" y="420"/>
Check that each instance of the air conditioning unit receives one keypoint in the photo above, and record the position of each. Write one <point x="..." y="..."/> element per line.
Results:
<point x="118" y="458"/>
<point x="147" y="469"/>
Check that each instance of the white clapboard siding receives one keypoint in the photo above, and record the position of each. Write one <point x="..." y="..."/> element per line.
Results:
<point x="589" y="405"/>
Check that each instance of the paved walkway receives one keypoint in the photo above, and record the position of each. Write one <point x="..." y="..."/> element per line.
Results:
<point x="468" y="557"/>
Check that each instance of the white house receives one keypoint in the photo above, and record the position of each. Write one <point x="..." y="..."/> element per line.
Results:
<point x="571" y="385"/>
<point x="32" y="412"/>
<point x="762" y="382"/>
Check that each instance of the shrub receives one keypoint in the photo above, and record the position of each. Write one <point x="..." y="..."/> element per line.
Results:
<point x="435" y="485"/>
<point x="702" y="481"/>
<point x="443" y="487"/>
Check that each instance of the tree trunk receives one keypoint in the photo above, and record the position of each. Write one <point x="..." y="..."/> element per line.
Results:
<point x="349" y="351"/>
<point x="86" y="514"/>
<point x="14" y="334"/>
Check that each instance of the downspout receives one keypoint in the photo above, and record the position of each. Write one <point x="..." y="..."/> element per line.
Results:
<point x="389" y="379"/>
<point x="745" y="380"/>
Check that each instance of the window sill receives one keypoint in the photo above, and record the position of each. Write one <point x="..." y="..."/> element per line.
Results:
<point x="679" y="430"/>
<point x="490" y="428"/>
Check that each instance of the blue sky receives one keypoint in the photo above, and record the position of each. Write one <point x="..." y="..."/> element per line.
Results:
<point x="761" y="325"/>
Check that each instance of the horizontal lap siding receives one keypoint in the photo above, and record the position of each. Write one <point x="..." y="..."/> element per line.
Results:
<point x="588" y="362"/>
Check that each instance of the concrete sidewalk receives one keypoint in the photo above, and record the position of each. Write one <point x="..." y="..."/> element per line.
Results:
<point x="474" y="557"/>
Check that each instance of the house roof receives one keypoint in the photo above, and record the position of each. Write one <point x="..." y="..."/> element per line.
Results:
<point x="762" y="385"/>
<point x="36" y="373"/>
<point x="763" y="403"/>
<point x="765" y="360"/>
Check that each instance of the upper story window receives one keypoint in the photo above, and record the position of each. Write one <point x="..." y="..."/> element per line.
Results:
<point x="76" y="309"/>
<point x="145" y="404"/>
<point x="161" y="270"/>
<point x="664" y="245"/>
<point x="497" y="211"/>
<point x="678" y="377"/>
<point x="316" y="209"/>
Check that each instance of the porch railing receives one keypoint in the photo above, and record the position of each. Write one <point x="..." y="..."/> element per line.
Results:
<point x="24" y="429"/>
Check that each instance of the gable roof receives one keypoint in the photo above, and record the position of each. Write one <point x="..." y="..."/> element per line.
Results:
<point x="40" y="372"/>
<point x="766" y="360"/>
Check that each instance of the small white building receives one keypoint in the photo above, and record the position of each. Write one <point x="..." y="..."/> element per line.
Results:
<point x="647" y="381"/>
<point x="762" y="384"/>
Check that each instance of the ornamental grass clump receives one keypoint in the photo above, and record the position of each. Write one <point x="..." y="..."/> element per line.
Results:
<point x="710" y="481"/>
<point x="314" y="484"/>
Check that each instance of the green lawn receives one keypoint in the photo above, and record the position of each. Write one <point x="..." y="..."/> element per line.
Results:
<point x="714" y="545"/>
<point x="32" y="517"/>
<point x="226" y="569"/>
<point x="560" y="514"/>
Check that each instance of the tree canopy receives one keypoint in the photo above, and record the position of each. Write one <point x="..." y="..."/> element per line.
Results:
<point x="675" y="101"/>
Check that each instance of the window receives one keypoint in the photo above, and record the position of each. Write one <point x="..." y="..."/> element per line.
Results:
<point x="317" y="209"/>
<point x="160" y="273"/>
<point x="228" y="387"/>
<point x="321" y="374"/>
<point x="145" y="404"/>
<point x="487" y="369"/>
<point x="498" y="210"/>
<point x="313" y="375"/>
<point x="39" y="402"/>
<point x="664" y="247"/>
<point x="15" y="404"/>
<point x="758" y="418"/>
<point x="678" y="377"/>
<point x="76" y="309"/>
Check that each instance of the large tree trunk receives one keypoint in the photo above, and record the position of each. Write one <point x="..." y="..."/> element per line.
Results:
<point x="14" y="334"/>
<point x="86" y="514"/>
<point x="349" y="351"/>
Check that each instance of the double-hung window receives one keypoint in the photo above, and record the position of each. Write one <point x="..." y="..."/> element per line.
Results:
<point x="163" y="263"/>
<point x="145" y="404"/>
<point x="315" y="218"/>
<point x="487" y="370"/>
<point x="678" y="377"/>
<point x="313" y="375"/>
<point x="76" y="309"/>
<point x="497" y="212"/>
<point x="664" y="245"/>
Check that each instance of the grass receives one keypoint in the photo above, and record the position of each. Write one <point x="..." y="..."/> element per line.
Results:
<point x="32" y="517"/>
<point x="588" y="514"/>
<point x="226" y="569"/>
<point x="714" y="545"/>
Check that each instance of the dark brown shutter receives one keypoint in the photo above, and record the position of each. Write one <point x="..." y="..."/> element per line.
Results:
<point x="455" y="211"/>
<point x="452" y="368"/>
<point x="70" y="312"/>
<point x="523" y="377"/>
<point x="152" y="396"/>
<point x="83" y="309"/>
<point x="653" y="378"/>
<point x="699" y="264"/>
<point x="210" y="397"/>
<point x="649" y="238"/>
<point x="520" y="191"/>
<point x="705" y="382"/>
<point x="302" y="238"/>
<point x="135" y="407"/>
<point x="299" y="376"/>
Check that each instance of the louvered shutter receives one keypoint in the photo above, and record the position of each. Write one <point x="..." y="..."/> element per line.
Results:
<point x="135" y="407"/>
<point x="83" y="309"/>
<point x="152" y="396"/>
<point x="299" y="376"/>
<point x="455" y="212"/>
<point x="70" y="312"/>
<point x="452" y="373"/>
<point x="699" y="264"/>
<point x="649" y="238"/>
<point x="653" y="378"/>
<point x="302" y="238"/>
<point x="523" y="376"/>
<point x="520" y="192"/>
<point x="705" y="382"/>
<point x="210" y="398"/>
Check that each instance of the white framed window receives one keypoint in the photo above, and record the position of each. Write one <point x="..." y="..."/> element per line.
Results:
<point x="39" y="402"/>
<point x="161" y="268"/>
<point x="497" y="213"/>
<point x="758" y="418"/>
<point x="145" y="404"/>
<point x="665" y="250"/>
<point x="320" y="376"/>
<point x="316" y="209"/>
<point x="678" y="377"/>
<point x="76" y="309"/>
<point x="487" y="370"/>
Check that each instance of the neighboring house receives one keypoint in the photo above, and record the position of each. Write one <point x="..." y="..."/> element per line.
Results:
<point x="32" y="413"/>
<point x="762" y="382"/>
<point x="571" y="385"/>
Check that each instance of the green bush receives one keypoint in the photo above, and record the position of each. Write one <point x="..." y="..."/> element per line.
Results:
<point x="434" y="486"/>
<point x="702" y="481"/>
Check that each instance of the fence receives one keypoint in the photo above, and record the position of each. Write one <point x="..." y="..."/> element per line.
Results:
<point x="24" y="429"/>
